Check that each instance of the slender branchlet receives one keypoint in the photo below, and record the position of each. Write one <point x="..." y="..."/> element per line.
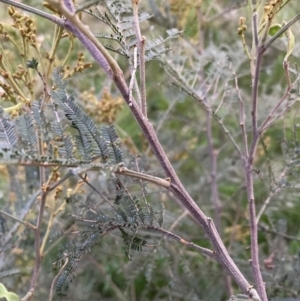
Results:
<point x="280" y="32"/>
<point x="254" y="29"/>
<point x="37" y="245"/>
<point x="58" y="31"/>
<point x="133" y="72"/>
<point x="26" y="224"/>
<point x="213" y="172"/>
<point x="22" y="216"/>
<point x="67" y="9"/>
<point x="241" y="32"/>
<point x="256" y="59"/>
<point x="272" y="194"/>
<point x="273" y="114"/>
<point x="176" y="186"/>
<point x="141" y="50"/>
<point x="40" y="217"/>
<point x="242" y="120"/>
<point x="35" y="11"/>
<point x="138" y="175"/>
<point x="178" y="238"/>
<point x="259" y="49"/>
<point x="86" y="5"/>
<point x="56" y="278"/>
<point x="73" y="24"/>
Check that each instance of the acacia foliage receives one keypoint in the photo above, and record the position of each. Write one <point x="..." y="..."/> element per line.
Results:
<point x="202" y="60"/>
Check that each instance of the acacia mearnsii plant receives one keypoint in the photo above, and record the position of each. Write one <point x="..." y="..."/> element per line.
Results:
<point x="149" y="150"/>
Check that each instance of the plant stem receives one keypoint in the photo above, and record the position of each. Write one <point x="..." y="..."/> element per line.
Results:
<point x="33" y="10"/>
<point x="280" y="32"/>
<point x="110" y="66"/>
<point x="213" y="172"/>
<point x="176" y="237"/>
<point x="58" y="31"/>
<point x="138" y="175"/>
<point x="176" y="186"/>
<point x="27" y="224"/>
<point x="56" y="278"/>
<point x="141" y="47"/>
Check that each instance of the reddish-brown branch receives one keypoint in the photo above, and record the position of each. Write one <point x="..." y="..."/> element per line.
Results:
<point x="176" y="186"/>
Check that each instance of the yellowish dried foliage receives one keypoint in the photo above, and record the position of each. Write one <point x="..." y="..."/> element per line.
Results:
<point x="104" y="109"/>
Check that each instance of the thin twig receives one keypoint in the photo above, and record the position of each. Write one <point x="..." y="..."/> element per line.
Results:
<point x="255" y="93"/>
<point x="86" y="5"/>
<point x="176" y="222"/>
<point x="265" y="229"/>
<point x="141" y="47"/>
<point x="96" y="190"/>
<point x="111" y="67"/>
<point x="27" y="224"/>
<point x="253" y="236"/>
<point x="133" y="71"/>
<point x="268" y="121"/>
<point x="200" y="100"/>
<point x="56" y="277"/>
<point x="274" y="192"/>
<point x="280" y="32"/>
<point x="35" y="11"/>
<point x="138" y="175"/>
<point x="53" y="213"/>
<point x="108" y="63"/>
<point x="58" y="31"/>
<point x="242" y="118"/>
<point x="37" y="242"/>
<point x="108" y="279"/>
<point x="214" y="92"/>
<point x="178" y="189"/>
<point x="22" y="216"/>
<point x="43" y="197"/>
<point x="254" y="29"/>
<point x="169" y="234"/>
<point x="256" y="57"/>
<point x="213" y="172"/>
<point x="226" y="131"/>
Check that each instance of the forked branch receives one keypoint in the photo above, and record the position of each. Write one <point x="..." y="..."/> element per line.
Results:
<point x="76" y="27"/>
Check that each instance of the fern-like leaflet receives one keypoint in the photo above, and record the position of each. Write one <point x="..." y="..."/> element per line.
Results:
<point x="42" y="137"/>
<point x="8" y="136"/>
<point x="119" y="17"/>
<point x="128" y="215"/>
